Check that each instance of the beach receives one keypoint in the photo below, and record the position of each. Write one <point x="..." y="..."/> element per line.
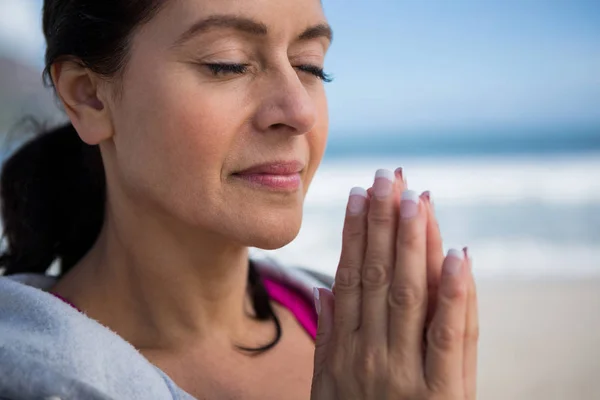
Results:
<point x="539" y="340"/>
<point x="490" y="107"/>
<point x="532" y="225"/>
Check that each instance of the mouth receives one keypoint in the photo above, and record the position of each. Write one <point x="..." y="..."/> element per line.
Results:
<point x="282" y="176"/>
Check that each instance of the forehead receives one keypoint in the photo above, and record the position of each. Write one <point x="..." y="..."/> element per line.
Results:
<point x="283" y="18"/>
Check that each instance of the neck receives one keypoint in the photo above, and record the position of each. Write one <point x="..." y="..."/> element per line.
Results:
<point x="160" y="288"/>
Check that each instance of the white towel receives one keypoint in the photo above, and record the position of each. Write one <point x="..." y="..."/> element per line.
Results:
<point x="50" y="350"/>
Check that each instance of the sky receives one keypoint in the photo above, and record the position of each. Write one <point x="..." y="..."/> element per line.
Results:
<point x="437" y="65"/>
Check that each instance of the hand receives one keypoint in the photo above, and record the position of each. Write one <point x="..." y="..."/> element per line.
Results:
<point x="370" y="341"/>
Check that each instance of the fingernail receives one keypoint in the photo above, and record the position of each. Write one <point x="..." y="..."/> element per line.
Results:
<point x="400" y="176"/>
<point x="400" y="181"/>
<point x="357" y="201"/>
<point x="426" y="196"/>
<point x="409" y="205"/>
<point x="468" y="257"/>
<point x="382" y="187"/>
<point x="399" y="173"/>
<point x="453" y="262"/>
<point x="317" y="300"/>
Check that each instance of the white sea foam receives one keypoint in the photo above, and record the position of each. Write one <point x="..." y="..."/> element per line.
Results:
<point x="525" y="218"/>
<point x="559" y="179"/>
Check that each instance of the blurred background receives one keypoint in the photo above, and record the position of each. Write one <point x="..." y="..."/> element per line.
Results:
<point x="494" y="106"/>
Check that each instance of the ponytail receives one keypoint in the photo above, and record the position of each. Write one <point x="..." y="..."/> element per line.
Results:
<point x="53" y="189"/>
<point x="53" y="193"/>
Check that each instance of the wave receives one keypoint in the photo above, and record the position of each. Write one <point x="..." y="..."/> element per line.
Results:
<point x="467" y="181"/>
<point x="520" y="217"/>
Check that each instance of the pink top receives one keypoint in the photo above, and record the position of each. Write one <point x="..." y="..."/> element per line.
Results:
<point x="302" y="308"/>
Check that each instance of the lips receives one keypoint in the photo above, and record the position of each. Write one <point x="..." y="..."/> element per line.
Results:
<point x="274" y="168"/>
<point x="280" y="176"/>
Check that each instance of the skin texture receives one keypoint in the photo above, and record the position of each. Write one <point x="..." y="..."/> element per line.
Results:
<point x="169" y="270"/>
<point x="416" y="334"/>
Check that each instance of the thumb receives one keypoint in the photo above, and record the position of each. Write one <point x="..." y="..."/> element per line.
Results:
<point x="324" y="302"/>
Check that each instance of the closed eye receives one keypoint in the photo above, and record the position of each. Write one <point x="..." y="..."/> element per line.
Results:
<point x="226" y="69"/>
<point x="316" y="71"/>
<point x="220" y="69"/>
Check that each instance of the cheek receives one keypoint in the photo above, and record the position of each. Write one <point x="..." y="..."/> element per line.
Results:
<point x="174" y="137"/>
<point x="317" y="140"/>
<point x="172" y="140"/>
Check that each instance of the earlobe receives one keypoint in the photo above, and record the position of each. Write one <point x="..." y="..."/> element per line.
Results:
<point x="78" y="90"/>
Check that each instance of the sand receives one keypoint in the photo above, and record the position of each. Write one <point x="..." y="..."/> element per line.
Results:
<point x="539" y="340"/>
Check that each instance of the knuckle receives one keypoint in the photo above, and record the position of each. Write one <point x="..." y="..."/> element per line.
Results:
<point x="337" y="366"/>
<point x="320" y="342"/>
<point x="410" y="236"/>
<point x="472" y="334"/>
<point x="437" y="389"/>
<point x="454" y="293"/>
<point x="370" y="365"/>
<point x="404" y="391"/>
<point x="406" y="297"/>
<point x="348" y="277"/>
<point x="444" y="338"/>
<point x="383" y="218"/>
<point x="406" y="382"/>
<point x="441" y="389"/>
<point x="353" y="231"/>
<point x="342" y="352"/>
<point x="376" y="275"/>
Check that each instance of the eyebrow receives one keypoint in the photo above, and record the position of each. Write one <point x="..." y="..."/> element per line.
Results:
<point x="317" y="31"/>
<point x="249" y="26"/>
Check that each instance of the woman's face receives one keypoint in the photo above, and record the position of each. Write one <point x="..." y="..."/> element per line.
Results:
<point x="222" y="119"/>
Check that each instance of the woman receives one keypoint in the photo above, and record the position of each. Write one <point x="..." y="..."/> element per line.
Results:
<point x="196" y="129"/>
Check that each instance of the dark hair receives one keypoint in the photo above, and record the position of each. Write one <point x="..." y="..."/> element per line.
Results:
<point x="53" y="189"/>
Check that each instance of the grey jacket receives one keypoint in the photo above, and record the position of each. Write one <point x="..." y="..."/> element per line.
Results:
<point x="50" y="351"/>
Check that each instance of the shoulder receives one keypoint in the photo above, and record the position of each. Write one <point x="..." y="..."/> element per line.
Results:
<point x="47" y="348"/>
<point x="300" y="278"/>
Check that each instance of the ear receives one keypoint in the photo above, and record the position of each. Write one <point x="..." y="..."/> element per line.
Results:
<point x="80" y="91"/>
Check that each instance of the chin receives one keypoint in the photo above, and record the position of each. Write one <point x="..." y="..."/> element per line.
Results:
<point x="274" y="230"/>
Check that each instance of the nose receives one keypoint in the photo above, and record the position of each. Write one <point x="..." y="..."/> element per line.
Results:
<point x="286" y="106"/>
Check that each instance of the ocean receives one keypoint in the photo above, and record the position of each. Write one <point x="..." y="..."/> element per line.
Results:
<point x="526" y="204"/>
<point x="526" y="209"/>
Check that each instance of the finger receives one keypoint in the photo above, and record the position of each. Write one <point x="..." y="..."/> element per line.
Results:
<point x="321" y="386"/>
<point x="400" y="183"/>
<point x="379" y="257"/>
<point x="325" y="327"/>
<point x="471" y="333"/>
<point x="408" y="292"/>
<point x="445" y="337"/>
<point x="348" y="291"/>
<point x="401" y="180"/>
<point x="400" y="186"/>
<point x="435" y="256"/>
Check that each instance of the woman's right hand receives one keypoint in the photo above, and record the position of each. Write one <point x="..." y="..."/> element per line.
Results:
<point x="370" y="343"/>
